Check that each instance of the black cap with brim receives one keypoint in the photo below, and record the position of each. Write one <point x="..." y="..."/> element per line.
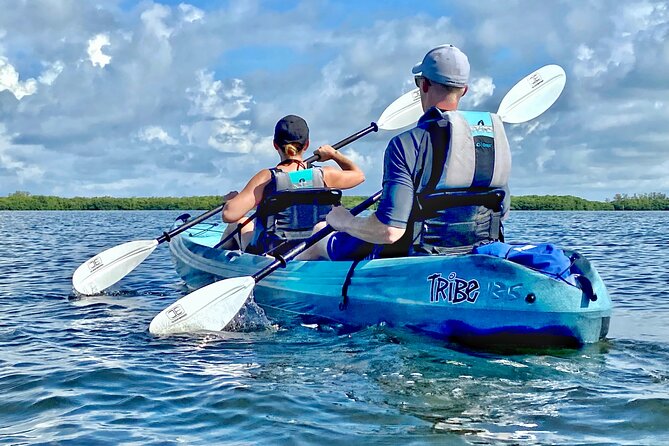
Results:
<point x="291" y="129"/>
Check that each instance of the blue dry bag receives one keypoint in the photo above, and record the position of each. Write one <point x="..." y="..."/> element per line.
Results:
<point x="543" y="257"/>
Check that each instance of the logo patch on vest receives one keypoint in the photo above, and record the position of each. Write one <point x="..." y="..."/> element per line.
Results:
<point x="480" y="123"/>
<point x="453" y="289"/>
<point x="302" y="178"/>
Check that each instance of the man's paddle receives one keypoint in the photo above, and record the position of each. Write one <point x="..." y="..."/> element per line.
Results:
<point x="544" y="85"/>
<point x="113" y="264"/>
<point x="212" y="307"/>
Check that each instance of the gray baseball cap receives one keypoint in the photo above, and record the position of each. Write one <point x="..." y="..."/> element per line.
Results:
<point x="446" y="65"/>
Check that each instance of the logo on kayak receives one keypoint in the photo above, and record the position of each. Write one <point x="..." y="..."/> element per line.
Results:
<point x="453" y="289"/>
<point x="175" y="313"/>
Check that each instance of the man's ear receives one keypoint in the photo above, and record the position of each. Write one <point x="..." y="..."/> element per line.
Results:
<point x="464" y="92"/>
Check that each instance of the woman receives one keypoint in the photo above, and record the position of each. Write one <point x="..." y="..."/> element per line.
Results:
<point x="291" y="140"/>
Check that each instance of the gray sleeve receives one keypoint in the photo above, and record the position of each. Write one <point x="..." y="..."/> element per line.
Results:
<point x="398" y="188"/>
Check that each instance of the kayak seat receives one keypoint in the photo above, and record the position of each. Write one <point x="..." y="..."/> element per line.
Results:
<point x="459" y="219"/>
<point x="288" y="217"/>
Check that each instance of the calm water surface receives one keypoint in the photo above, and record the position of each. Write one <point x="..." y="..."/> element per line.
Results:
<point x="86" y="371"/>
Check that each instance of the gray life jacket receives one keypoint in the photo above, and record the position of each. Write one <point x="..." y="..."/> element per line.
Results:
<point x="293" y="202"/>
<point x="461" y="185"/>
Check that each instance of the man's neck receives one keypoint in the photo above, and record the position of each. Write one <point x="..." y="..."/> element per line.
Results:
<point x="447" y="104"/>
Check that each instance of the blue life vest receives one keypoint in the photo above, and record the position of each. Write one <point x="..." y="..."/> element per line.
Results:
<point x="293" y="202"/>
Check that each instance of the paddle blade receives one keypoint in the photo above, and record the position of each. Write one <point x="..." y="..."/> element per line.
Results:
<point x="210" y="308"/>
<point x="533" y="95"/>
<point x="110" y="266"/>
<point x="404" y="111"/>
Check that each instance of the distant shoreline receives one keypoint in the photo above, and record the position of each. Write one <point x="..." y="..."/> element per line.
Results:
<point x="24" y="201"/>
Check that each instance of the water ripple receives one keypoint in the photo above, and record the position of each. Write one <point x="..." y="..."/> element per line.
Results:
<point x="84" y="370"/>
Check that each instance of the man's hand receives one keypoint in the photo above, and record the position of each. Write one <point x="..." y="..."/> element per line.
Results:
<point x="340" y="218"/>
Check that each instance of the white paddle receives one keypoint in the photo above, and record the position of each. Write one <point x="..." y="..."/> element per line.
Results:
<point x="212" y="307"/>
<point x="113" y="264"/>
<point x="529" y="98"/>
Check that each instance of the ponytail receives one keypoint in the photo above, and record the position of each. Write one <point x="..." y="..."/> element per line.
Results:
<point x="292" y="148"/>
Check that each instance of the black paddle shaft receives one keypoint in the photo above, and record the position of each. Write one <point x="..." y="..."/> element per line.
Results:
<point x="344" y="142"/>
<point x="167" y="236"/>
<point x="311" y="241"/>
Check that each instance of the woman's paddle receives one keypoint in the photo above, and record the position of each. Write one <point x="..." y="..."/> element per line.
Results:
<point x="113" y="264"/>
<point x="373" y="127"/>
<point x="212" y="307"/>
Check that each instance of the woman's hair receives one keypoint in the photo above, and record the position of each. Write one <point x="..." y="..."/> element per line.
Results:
<point x="292" y="148"/>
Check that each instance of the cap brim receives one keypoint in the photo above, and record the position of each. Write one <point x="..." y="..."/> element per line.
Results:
<point x="418" y="68"/>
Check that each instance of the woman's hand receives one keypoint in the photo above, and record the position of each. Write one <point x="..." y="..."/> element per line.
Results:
<point x="325" y="152"/>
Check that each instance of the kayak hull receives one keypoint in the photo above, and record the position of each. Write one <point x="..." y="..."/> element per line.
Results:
<point x="472" y="299"/>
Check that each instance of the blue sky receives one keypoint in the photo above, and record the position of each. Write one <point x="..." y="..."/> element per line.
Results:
<point x="180" y="98"/>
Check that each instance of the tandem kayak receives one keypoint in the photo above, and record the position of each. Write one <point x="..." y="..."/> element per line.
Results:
<point x="473" y="299"/>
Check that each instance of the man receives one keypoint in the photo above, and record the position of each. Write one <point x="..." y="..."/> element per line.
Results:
<point x="444" y="181"/>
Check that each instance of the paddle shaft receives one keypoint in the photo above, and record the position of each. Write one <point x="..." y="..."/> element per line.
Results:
<point x="311" y="241"/>
<point x="344" y="142"/>
<point x="167" y="236"/>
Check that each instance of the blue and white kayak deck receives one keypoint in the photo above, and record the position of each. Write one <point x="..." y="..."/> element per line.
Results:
<point x="475" y="299"/>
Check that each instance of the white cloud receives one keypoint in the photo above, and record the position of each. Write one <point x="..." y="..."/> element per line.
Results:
<point x="480" y="89"/>
<point x="94" y="50"/>
<point x="210" y="99"/>
<point x="156" y="133"/>
<point x="190" y="13"/>
<point x="217" y="107"/>
<point x="584" y="52"/>
<point x="543" y="157"/>
<point x="216" y="85"/>
<point x="154" y="21"/>
<point x="23" y="171"/>
<point x="9" y="80"/>
<point x="51" y="73"/>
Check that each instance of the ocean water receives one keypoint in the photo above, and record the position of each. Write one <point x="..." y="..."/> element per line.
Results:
<point x="86" y="370"/>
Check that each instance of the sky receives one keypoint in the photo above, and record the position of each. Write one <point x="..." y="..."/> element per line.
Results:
<point x="169" y="98"/>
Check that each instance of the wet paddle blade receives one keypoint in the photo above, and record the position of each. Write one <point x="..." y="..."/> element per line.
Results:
<point x="210" y="308"/>
<point x="110" y="266"/>
<point x="404" y="111"/>
<point x="533" y="95"/>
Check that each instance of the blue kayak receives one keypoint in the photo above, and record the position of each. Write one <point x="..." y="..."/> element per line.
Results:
<point x="468" y="298"/>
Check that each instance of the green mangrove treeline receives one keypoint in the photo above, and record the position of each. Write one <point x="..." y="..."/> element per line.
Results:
<point x="654" y="201"/>
<point x="26" y="201"/>
<point x="20" y="201"/>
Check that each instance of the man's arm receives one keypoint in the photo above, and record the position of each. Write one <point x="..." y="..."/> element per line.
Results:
<point x="388" y="224"/>
<point x="369" y="229"/>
